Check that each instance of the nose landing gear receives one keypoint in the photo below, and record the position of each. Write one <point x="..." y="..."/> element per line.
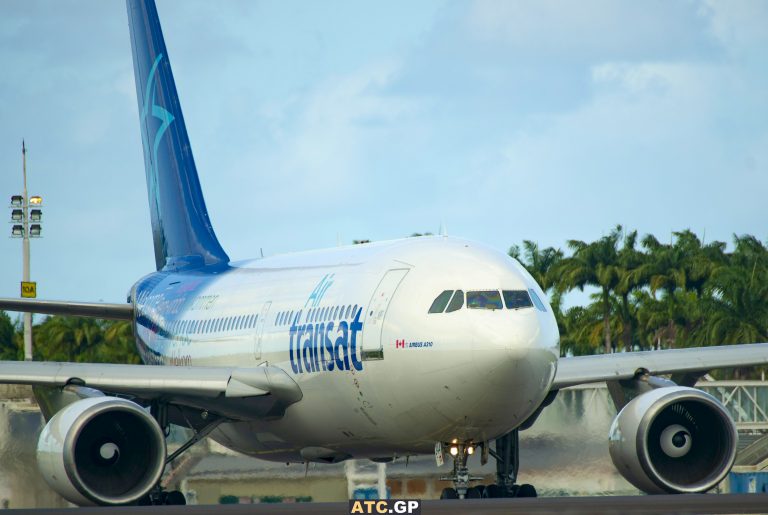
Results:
<point x="460" y="475"/>
<point x="507" y="458"/>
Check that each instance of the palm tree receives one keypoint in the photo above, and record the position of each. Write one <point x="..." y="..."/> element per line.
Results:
<point x="9" y="342"/>
<point x="582" y="328"/>
<point x="594" y="264"/>
<point x="738" y="300"/>
<point x="61" y="338"/>
<point x="630" y="261"/>
<point x="541" y="264"/>
<point x="119" y="343"/>
<point x="680" y="272"/>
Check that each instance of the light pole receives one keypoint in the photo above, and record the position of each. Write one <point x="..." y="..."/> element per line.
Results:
<point x="26" y="210"/>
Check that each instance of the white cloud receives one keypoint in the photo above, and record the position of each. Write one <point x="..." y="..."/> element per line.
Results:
<point x="589" y="28"/>
<point x="650" y="148"/>
<point x="328" y="132"/>
<point x="740" y="25"/>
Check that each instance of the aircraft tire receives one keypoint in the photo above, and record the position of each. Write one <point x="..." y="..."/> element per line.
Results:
<point x="493" y="492"/>
<point x="526" y="490"/>
<point x="476" y="492"/>
<point x="175" y="498"/>
<point x="449" y="493"/>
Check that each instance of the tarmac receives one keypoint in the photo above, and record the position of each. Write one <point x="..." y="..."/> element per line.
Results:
<point x="624" y="505"/>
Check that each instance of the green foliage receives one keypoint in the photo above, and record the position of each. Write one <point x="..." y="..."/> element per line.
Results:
<point x="10" y="348"/>
<point x="74" y="339"/>
<point x="655" y="295"/>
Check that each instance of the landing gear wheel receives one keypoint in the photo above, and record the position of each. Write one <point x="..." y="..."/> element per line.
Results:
<point x="494" y="492"/>
<point x="163" y="498"/>
<point x="449" y="493"/>
<point x="176" y="498"/>
<point x="526" y="490"/>
<point x="476" y="492"/>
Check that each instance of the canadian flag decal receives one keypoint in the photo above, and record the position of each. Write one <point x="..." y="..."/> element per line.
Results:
<point x="399" y="344"/>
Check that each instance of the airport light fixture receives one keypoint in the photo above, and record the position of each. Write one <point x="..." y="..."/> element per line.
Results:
<point x="26" y="216"/>
<point x="26" y="220"/>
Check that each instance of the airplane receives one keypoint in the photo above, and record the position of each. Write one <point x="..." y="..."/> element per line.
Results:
<point x="377" y="351"/>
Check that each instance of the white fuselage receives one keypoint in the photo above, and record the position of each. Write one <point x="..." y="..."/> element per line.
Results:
<point x="380" y="375"/>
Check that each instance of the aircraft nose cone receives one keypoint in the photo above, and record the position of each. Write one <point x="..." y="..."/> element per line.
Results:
<point x="515" y="363"/>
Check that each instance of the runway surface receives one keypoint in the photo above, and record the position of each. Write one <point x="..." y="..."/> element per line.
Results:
<point x="656" y="504"/>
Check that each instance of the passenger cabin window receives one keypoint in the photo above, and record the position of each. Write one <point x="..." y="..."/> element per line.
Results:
<point x="490" y="299"/>
<point x="438" y="305"/>
<point x="457" y="302"/>
<point x="517" y="299"/>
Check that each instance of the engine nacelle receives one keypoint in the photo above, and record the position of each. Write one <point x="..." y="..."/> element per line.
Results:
<point x="101" y="450"/>
<point x="673" y="440"/>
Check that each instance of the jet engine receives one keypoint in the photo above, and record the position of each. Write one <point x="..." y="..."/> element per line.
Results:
<point x="101" y="450"/>
<point x="673" y="440"/>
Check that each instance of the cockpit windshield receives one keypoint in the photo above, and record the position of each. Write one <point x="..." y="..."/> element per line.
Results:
<point x="453" y="300"/>
<point x="516" y="299"/>
<point x="457" y="302"/>
<point x="438" y="306"/>
<point x="489" y="299"/>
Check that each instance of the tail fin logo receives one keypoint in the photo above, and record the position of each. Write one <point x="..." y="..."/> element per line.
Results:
<point x="159" y="112"/>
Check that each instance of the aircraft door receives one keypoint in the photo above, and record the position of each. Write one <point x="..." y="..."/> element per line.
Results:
<point x="259" y="333"/>
<point x="376" y="311"/>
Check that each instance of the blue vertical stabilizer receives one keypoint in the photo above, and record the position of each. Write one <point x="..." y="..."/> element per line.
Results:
<point x="182" y="232"/>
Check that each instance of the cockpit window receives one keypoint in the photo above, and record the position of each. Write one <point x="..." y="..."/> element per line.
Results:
<point x="484" y="299"/>
<point x="537" y="301"/>
<point x="438" y="306"/>
<point x="516" y="299"/>
<point x="456" y="302"/>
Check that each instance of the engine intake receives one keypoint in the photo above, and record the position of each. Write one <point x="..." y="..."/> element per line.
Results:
<point x="101" y="451"/>
<point x="673" y="440"/>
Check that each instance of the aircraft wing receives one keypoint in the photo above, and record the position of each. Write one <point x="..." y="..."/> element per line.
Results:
<point x="233" y="392"/>
<point x="61" y="307"/>
<point x="626" y="365"/>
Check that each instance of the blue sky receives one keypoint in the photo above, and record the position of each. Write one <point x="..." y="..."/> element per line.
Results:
<point x="317" y="121"/>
